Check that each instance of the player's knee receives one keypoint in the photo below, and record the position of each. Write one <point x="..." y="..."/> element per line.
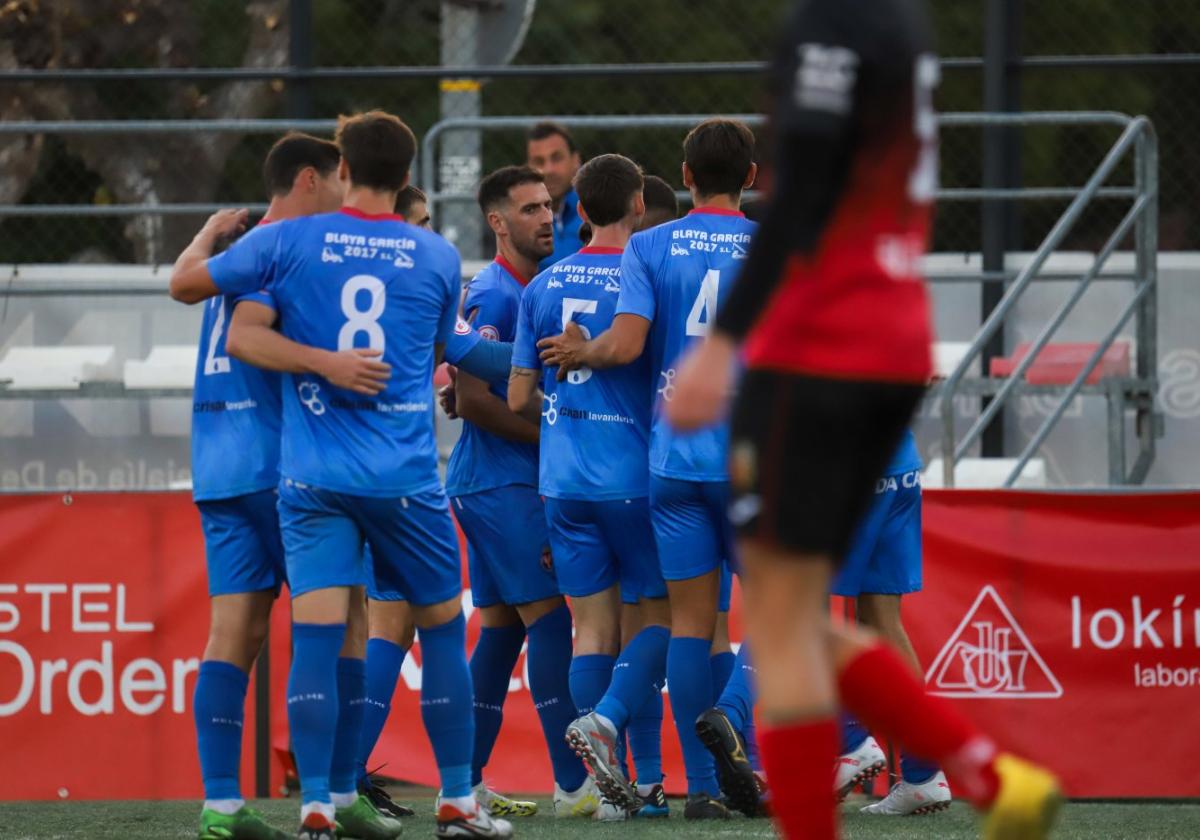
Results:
<point x="435" y="615"/>
<point x="597" y="639"/>
<point x="531" y="612"/>
<point x="880" y="612"/>
<point x="499" y="615"/>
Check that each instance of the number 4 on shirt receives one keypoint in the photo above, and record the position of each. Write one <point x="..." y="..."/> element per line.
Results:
<point x="704" y="310"/>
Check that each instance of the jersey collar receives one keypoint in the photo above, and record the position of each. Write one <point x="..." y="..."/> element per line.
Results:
<point x="371" y="217"/>
<point x="600" y="249"/>
<point x="511" y="269"/>
<point x="716" y="211"/>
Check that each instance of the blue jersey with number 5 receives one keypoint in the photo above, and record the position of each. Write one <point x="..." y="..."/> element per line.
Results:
<point x="676" y="275"/>
<point x="595" y="424"/>
<point x="347" y="280"/>
<point x="235" y="416"/>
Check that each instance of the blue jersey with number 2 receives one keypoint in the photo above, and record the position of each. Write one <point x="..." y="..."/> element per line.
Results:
<point x="235" y="415"/>
<point x="347" y="280"/>
<point x="595" y="424"/>
<point x="676" y="275"/>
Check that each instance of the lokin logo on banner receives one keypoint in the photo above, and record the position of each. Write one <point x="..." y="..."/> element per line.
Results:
<point x="989" y="657"/>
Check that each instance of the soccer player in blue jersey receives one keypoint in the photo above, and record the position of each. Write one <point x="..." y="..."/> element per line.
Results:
<point x="882" y="565"/>
<point x="551" y="150"/>
<point x="364" y="303"/>
<point x="673" y="278"/>
<point x="492" y="483"/>
<point x="595" y="434"/>
<point x="235" y="468"/>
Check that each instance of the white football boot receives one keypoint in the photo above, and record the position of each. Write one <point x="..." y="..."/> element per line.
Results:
<point x="582" y="803"/>
<point x="906" y="799"/>
<point x="858" y="767"/>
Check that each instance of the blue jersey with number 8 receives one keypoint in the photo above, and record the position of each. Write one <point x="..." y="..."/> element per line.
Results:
<point x="347" y="280"/>
<point x="676" y="275"/>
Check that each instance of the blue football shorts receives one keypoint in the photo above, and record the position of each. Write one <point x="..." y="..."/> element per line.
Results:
<point x="599" y="544"/>
<point x="242" y="545"/>
<point x="692" y="528"/>
<point x="508" y="549"/>
<point x="413" y="548"/>
<point x="885" y="550"/>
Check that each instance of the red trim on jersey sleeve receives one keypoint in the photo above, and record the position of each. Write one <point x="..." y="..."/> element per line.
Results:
<point x="511" y="269"/>
<point x="716" y="211"/>
<point x="600" y="249"/>
<point x="372" y="217"/>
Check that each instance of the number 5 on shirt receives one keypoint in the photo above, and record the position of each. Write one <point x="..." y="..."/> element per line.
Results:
<point x="571" y="306"/>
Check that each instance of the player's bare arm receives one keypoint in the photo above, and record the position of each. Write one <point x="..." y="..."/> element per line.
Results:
<point x="474" y="402"/>
<point x="190" y="280"/>
<point x="620" y="344"/>
<point x="524" y="395"/>
<point x="254" y="340"/>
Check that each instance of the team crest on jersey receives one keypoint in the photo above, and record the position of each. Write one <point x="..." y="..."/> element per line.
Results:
<point x="489" y="332"/>
<point x="461" y="327"/>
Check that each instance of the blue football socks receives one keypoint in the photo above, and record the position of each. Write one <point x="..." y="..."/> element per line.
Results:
<point x="549" y="665"/>
<point x="492" y="664"/>
<point x="219" y="708"/>
<point x="313" y="706"/>
<point x="639" y="667"/>
<point x="446" y="694"/>
<point x="351" y="692"/>
<point x="645" y="738"/>
<point x="853" y="732"/>
<point x="589" y="678"/>
<point x="384" y="661"/>
<point x="689" y="680"/>
<point x="722" y="665"/>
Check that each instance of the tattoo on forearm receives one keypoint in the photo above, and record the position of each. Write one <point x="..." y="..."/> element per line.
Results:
<point x="519" y="373"/>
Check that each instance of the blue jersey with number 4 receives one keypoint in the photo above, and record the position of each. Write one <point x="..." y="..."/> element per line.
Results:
<point x="348" y="280"/>
<point x="481" y="460"/>
<point x="595" y="424"/>
<point x="676" y="275"/>
<point x="236" y="415"/>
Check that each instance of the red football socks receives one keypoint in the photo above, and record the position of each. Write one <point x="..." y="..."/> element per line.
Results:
<point x="799" y="760"/>
<point x="884" y="694"/>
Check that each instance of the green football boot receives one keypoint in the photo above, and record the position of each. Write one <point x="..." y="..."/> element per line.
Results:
<point x="363" y="821"/>
<point x="246" y="824"/>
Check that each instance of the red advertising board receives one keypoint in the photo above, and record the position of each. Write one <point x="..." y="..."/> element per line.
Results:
<point x="1067" y="625"/>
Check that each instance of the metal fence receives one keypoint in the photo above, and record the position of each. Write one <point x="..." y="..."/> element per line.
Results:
<point x="316" y="58"/>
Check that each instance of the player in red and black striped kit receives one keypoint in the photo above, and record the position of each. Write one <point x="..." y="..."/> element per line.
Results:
<point x="835" y="322"/>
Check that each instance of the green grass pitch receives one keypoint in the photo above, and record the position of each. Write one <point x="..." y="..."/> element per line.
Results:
<point x="163" y="820"/>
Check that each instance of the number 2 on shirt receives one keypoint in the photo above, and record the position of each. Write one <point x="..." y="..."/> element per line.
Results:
<point x="699" y="320"/>
<point x="571" y="306"/>
<point x="212" y="362"/>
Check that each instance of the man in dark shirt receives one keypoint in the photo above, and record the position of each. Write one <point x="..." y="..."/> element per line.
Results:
<point x="834" y="318"/>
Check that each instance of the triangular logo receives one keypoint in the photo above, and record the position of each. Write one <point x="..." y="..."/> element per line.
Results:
<point x="989" y="657"/>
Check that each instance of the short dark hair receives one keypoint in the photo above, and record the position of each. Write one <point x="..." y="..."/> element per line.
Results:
<point x="407" y="197"/>
<point x="291" y="153"/>
<point x="379" y="149"/>
<point x="719" y="152"/>
<point x="606" y="185"/>
<point x="542" y="130"/>
<point x="659" y="195"/>
<point x="494" y="189"/>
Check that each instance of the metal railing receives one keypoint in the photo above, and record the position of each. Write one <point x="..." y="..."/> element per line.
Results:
<point x="1142" y="217"/>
